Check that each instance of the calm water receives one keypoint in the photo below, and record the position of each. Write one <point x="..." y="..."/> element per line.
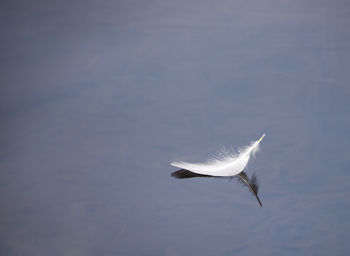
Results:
<point x="98" y="97"/>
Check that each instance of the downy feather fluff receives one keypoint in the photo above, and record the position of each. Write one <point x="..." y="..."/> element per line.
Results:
<point x="225" y="163"/>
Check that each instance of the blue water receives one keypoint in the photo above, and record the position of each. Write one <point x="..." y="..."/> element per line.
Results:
<point x="98" y="97"/>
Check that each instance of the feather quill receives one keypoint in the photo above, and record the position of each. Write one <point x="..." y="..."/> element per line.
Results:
<point x="224" y="164"/>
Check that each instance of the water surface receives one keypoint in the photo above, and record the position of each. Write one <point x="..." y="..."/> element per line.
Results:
<point x="98" y="97"/>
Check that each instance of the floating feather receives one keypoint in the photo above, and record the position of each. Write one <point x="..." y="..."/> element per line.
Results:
<point x="225" y="164"/>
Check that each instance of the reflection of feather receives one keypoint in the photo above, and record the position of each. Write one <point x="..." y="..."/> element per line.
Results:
<point x="184" y="174"/>
<point x="225" y="164"/>
<point x="252" y="184"/>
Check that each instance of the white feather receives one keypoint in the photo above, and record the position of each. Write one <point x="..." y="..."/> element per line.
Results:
<point x="225" y="163"/>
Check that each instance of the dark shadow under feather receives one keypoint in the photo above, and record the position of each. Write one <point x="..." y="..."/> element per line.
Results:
<point x="252" y="184"/>
<point x="185" y="174"/>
